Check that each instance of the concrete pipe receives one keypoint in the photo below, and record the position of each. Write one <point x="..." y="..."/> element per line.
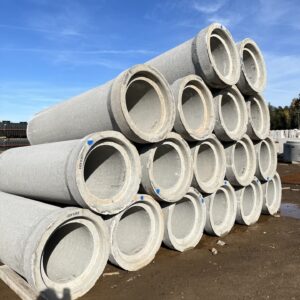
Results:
<point x="221" y="209"/>
<point x="195" y="115"/>
<point x="272" y="195"/>
<point x="259" y="118"/>
<point x="52" y="248"/>
<point x="139" y="103"/>
<point x="209" y="165"/>
<point x="136" y="234"/>
<point x="266" y="159"/>
<point x="101" y="172"/>
<point x="212" y="54"/>
<point x="249" y="203"/>
<point x="231" y="114"/>
<point x="253" y="76"/>
<point x="167" y="169"/>
<point x="184" y="221"/>
<point x="240" y="161"/>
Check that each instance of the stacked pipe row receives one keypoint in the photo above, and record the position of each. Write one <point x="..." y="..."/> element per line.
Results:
<point x="163" y="152"/>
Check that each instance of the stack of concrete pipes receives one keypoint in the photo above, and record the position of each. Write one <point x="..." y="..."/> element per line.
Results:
<point x="163" y="152"/>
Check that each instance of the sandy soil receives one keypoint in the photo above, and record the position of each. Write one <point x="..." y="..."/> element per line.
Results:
<point x="257" y="262"/>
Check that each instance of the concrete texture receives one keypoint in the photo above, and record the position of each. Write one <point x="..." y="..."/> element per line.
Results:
<point x="253" y="69"/>
<point x="138" y="102"/>
<point x="166" y="168"/>
<point x="209" y="165"/>
<point x="221" y="210"/>
<point x="266" y="155"/>
<point x="195" y="113"/>
<point x="231" y="114"/>
<point x="101" y="172"/>
<point x="272" y="195"/>
<point x="136" y="234"/>
<point x="249" y="203"/>
<point x="212" y="55"/>
<point x="259" y="117"/>
<point x="53" y="248"/>
<point x="184" y="221"/>
<point x="240" y="161"/>
<point x="291" y="151"/>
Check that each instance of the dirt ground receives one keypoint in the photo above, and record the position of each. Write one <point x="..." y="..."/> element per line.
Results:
<point x="257" y="262"/>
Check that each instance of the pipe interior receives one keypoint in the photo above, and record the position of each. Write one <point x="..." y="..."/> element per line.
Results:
<point x="250" y="64"/>
<point x="68" y="252"/>
<point x="229" y="112"/>
<point x="220" y="53"/>
<point x="166" y="166"/>
<point x="104" y="171"/>
<point x="193" y="108"/>
<point x="143" y="105"/>
<point x="264" y="157"/>
<point x="219" y="208"/>
<point x="256" y="114"/>
<point x="206" y="163"/>
<point x="248" y="200"/>
<point x="271" y="194"/>
<point x="240" y="159"/>
<point x="133" y="230"/>
<point x="183" y="218"/>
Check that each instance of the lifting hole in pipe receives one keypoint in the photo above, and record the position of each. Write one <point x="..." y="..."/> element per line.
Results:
<point x="133" y="230"/>
<point x="220" y="53"/>
<point x="193" y="108"/>
<point x="183" y="218"/>
<point x="166" y="166"/>
<point x="143" y="105"/>
<point x="104" y="171"/>
<point x="68" y="253"/>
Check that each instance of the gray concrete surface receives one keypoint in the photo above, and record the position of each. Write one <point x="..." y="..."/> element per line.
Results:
<point x="52" y="247"/>
<point x="101" y="172"/>
<point x="184" y="221"/>
<point x="138" y="102"/>
<point x="212" y="55"/>
<point x="195" y="113"/>
<point x="240" y="161"/>
<point x="231" y="114"/>
<point x="209" y="164"/>
<point x="166" y="168"/>
<point x="253" y="77"/>
<point x="136" y="234"/>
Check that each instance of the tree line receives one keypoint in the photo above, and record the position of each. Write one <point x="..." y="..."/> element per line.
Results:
<point x="287" y="117"/>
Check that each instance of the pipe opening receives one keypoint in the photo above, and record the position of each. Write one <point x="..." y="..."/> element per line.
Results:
<point x="167" y="166"/>
<point x="144" y="105"/>
<point x="206" y="163"/>
<point x="264" y="157"/>
<point x="183" y="218"/>
<point x="220" y="53"/>
<point x="193" y="108"/>
<point x="240" y="159"/>
<point x="219" y="208"/>
<point x="133" y="230"/>
<point x="271" y="193"/>
<point x="105" y="171"/>
<point x="229" y="112"/>
<point x="256" y="115"/>
<point x="250" y="64"/>
<point x="248" y="200"/>
<point x="68" y="252"/>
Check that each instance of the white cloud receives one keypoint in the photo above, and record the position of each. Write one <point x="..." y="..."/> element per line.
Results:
<point x="207" y="7"/>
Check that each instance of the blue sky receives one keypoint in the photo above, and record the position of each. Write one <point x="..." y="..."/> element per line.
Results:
<point x="51" y="50"/>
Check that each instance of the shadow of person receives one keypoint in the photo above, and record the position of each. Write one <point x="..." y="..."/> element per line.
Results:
<point x="50" y="294"/>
